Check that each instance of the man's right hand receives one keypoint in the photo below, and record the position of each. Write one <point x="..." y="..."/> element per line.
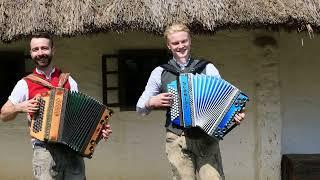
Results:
<point x="162" y="100"/>
<point x="9" y="111"/>
<point x="29" y="106"/>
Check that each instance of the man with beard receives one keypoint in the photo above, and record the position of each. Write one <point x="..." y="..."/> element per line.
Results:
<point x="191" y="152"/>
<point x="50" y="161"/>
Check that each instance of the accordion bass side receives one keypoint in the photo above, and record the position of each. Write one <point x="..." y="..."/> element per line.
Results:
<point x="70" y="118"/>
<point x="207" y="102"/>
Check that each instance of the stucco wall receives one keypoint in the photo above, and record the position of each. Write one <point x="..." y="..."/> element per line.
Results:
<point x="300" y="99"/>
<point x="136" y="148"/>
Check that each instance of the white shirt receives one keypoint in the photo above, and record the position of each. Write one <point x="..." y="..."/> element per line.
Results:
<point x="20" y="92"/>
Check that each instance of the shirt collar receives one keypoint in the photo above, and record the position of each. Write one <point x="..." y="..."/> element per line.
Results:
<point x="41" y="72"/>
<point x="182" y="65"/>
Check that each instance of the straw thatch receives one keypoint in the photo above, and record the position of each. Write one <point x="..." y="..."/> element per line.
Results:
<point x="71" y="17"/>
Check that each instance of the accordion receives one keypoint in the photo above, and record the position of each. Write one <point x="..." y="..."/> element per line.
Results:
<point x="70" y="118"/>
<point x="207" y="102"/>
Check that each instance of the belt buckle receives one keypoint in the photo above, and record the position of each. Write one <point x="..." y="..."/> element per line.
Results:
<point x="39" y="144"/>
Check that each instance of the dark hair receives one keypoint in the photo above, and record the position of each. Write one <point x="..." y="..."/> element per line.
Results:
<point x="43" y="35"/>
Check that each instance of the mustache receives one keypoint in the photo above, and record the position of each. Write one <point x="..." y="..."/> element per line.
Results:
<point x="42" y="60"/>
<point x="41" y="57"/>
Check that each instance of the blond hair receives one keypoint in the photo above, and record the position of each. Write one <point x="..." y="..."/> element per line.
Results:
<point x="175" y="28"/>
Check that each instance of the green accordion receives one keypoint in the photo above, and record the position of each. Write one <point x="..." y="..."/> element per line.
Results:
<point x="70" y="118"/>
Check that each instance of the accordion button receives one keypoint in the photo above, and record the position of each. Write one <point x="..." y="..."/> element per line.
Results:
<point x="91" y="148"/>
<point x="221" y="134"/>
<point x="92" y="142"/>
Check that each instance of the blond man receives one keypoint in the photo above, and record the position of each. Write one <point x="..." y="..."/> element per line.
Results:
<point x="192" y="154"/>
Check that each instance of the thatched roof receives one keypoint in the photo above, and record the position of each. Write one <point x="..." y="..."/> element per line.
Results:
<point x="71" y="17"/>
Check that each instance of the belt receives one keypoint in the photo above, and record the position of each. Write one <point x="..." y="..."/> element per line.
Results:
<point x="39" y="144"/>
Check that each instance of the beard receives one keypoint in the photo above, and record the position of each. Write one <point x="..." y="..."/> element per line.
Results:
<point x="42" y="61"/>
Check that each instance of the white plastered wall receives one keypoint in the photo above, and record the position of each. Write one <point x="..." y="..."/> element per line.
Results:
<point x="282" y="116"/>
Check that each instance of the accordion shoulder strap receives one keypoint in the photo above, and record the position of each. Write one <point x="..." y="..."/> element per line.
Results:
<point x="198" y="68"/>
<point x="170" y="68"/>
<point x="63" y="78"/>
<point x="36" y="79"/>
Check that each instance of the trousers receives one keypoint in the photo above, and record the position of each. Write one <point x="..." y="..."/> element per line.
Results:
<point x="194" y="157"/>
<point x="57" y="162"/>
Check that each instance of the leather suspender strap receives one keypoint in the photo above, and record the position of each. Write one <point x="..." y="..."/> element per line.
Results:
<point x="39" y="80"/>
<point x="63" y="78"/>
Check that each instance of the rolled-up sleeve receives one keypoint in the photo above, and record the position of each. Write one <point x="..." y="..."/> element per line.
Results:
<point x="20" y="92"/>
<point x="152" y="88"/>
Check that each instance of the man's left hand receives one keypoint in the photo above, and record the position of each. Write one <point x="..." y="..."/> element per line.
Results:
<point x="106" y="132"/>
<point x="239" y="117"/>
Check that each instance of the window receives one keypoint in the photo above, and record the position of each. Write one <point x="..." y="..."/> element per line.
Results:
<point x="12" y="69"/>
<point x="126" y="74"/>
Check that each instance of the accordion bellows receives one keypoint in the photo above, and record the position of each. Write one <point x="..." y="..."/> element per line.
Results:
<point x="207" y="102"/>
<point x="70" y="118"/>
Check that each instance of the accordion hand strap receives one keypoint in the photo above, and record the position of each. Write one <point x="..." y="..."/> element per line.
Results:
<point x="39" y="80"/>
<point x="63" y="78"/>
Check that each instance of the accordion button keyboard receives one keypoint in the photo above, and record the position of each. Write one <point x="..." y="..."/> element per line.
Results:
<point x="38" y="117"/>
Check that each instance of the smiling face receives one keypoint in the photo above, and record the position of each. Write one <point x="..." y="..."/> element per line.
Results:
<point x="41" y="52"/>
<point x="179" y="42"/>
